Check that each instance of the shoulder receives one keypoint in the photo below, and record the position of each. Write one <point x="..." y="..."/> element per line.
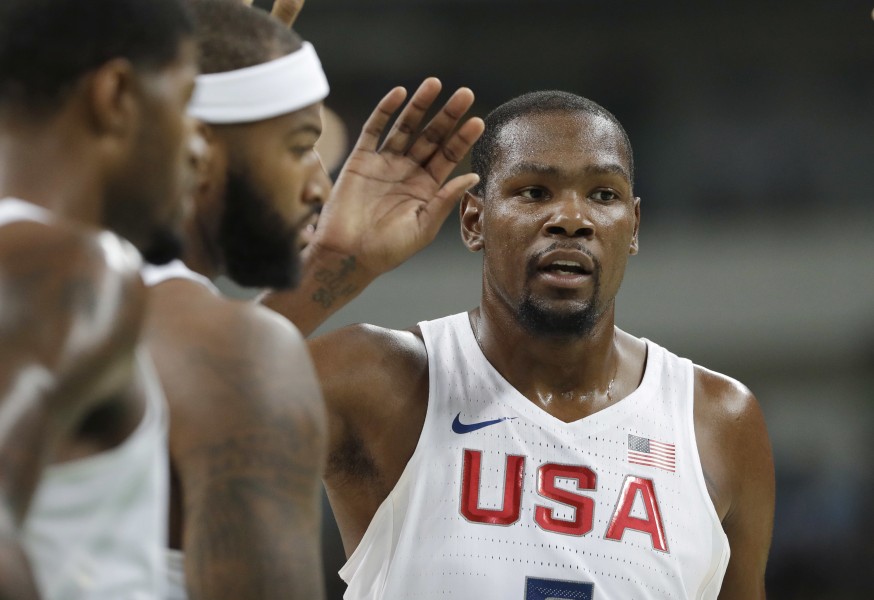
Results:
<point x="230" y="368"/>
<point x="726" y="403"/>
<point x="60" y="279"/>
<point x="370" y="352"/>
<point x="732" y="438"/>
<point x="229" y="339"/>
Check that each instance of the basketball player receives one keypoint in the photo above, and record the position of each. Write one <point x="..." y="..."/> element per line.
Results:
<point x="92" y="138"/>
<point x="247" y="435"/>
<point x="529" y="448"/>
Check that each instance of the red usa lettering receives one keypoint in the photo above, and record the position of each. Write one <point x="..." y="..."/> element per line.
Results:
<point x="584" y="506"/>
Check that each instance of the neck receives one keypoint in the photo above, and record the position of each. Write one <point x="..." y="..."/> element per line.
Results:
<point x="570" y="377"/>
<point x="48" y="165"/>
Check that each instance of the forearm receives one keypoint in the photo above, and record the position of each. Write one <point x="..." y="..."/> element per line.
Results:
<point x="329" y="281"/>
<point x="16" y="579"/>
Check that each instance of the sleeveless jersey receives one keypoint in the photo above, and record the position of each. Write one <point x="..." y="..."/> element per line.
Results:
<point x="153" y="275"/>
<point x="502" y="500"/>
<point x="176" y="269"/>
<point x="96" y="526"/>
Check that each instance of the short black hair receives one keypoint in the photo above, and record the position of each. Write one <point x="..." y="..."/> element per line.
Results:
<point x="231" y="36"/>
<point x="485" y="151"/>
<point x="46" y="46"/>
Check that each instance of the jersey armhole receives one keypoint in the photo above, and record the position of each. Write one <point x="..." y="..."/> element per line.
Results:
<point x="717" y="570"/>
<point x="385" y="514"/>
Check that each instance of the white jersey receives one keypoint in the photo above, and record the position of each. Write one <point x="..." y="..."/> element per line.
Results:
<point x="153" y="275"/>
<point x="96" y="526"/>
<point x="176" y="269"/>
<point x="501" y="500"/>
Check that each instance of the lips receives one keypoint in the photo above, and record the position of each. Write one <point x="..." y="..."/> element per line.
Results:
<point x="565" y="268"/>
<point x="566" y="262"/>
<point x="307" y="229"/>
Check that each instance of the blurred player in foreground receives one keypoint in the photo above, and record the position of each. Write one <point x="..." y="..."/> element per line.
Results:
<point x="92" y="138"/>
<point x="529" y="448"/>
<point x="247" y="435"/>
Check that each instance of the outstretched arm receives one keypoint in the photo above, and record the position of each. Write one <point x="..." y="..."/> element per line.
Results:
<point x="389" y="201"/>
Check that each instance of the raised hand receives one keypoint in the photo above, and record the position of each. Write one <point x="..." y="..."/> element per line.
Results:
<point x="390" y="200"/>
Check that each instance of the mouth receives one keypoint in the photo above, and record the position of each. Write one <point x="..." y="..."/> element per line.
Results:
<point x="566" y="268"/>
<point x="307" y="230"/>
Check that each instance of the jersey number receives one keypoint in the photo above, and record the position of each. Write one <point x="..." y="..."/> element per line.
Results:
<point x="556" y="589"/>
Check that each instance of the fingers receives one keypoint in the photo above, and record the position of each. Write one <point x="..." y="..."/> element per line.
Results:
<point x="407" y="124"/>
<point x="453" y="150"/>
<point x="286" y="11"/>
<point x="441" y="126"/>
<point x="437" y="210"/>
<point x="379" y="118"/>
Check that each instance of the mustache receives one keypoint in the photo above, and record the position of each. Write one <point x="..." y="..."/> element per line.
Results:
<point x="531" y="268"/>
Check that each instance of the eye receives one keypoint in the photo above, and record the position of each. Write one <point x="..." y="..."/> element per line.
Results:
<point x="533" y="193"/>
<point x="301" y="151"/>
<point x="604" y="195"/>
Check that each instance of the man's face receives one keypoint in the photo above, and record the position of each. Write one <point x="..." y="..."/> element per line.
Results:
<point x="275" y="186"/>
<point x="147" y="199"/>
<point x="558" y="221"/>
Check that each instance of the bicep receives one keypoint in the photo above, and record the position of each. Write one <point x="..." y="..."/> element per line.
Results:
<point x="750" y="519"/>
<point x="367" y="375"/>
<point x="247" y="443"/>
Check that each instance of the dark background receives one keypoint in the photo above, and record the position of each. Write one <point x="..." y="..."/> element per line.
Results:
<point x="752" y="124"/>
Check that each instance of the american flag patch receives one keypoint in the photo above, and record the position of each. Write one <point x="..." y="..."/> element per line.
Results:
<point x="644" y="451"/>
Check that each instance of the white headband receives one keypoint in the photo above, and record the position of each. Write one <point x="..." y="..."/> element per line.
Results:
<point x="261" y="92"/>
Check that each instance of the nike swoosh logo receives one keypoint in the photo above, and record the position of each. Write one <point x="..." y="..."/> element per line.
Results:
<point x="459" y="427"/>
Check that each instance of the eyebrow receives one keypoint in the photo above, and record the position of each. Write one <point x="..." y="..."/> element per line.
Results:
<point x="527" y="168"/>
<point x="306" y="128"/>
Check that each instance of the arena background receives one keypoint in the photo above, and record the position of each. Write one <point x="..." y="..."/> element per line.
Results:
<point x="752" y="123"/>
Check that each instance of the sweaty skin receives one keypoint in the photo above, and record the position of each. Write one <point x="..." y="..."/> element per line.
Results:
<point x="561" y="178"/>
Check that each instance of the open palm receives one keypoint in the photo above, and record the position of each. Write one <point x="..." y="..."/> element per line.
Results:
<point x="390" y="200"/>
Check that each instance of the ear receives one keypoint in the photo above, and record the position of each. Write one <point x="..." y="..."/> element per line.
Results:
<point x="207" y="154"/>
<point x="112" y="99"/>
<point x="471" y="222"/>
<point x="635" y="246"/>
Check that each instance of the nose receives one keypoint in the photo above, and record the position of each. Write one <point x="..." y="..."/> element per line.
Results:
<point x="569" y="218"/>
<point x="318" y="186"/>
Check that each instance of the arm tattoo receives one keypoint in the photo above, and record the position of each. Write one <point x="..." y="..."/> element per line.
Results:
<point x="334" y="284"/>
<point x="253" y="530"/>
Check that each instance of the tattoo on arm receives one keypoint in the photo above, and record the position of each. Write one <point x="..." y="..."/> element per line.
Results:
<point x="253" y="527"/>
<point x="334" y="283"/>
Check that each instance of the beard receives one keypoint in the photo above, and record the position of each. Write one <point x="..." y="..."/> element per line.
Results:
<point x="258" y="247"/>
<point x="164" y="245"/>
<point x="540" y="318"/>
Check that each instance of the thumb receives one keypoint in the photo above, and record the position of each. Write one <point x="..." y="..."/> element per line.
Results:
<point x="435" y="213"/>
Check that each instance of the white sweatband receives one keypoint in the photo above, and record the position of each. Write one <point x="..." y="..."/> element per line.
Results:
<point x="260" y="92"/>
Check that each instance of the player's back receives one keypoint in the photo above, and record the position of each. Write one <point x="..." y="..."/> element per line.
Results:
<point x="84" y="449"/>
<point x="502" y="500"/>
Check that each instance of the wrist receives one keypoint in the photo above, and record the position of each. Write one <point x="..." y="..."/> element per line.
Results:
<point x="333" y="276"/>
